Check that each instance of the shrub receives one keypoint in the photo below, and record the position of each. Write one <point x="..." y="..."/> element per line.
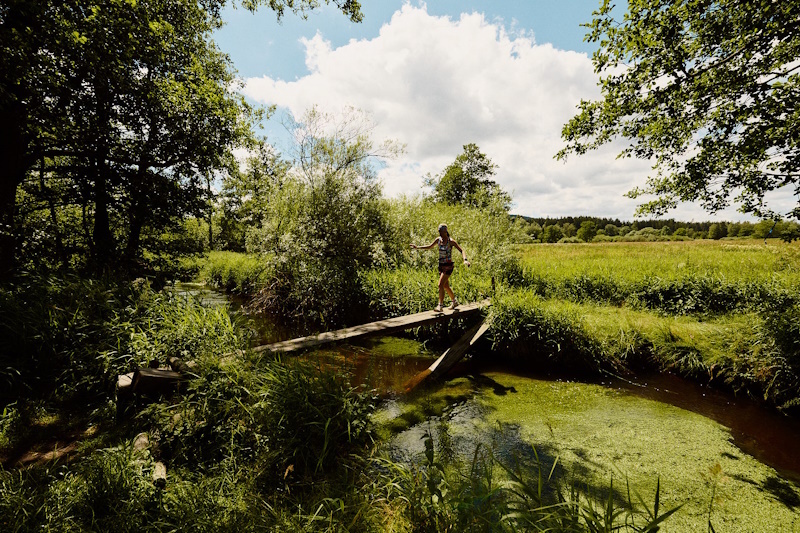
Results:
<point x="66" y="338"/>
<point x="275" y="417"/>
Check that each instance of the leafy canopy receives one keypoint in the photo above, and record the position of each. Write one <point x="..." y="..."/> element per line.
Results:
<point x="321" y="218"/>
<point x="467" y="181"/>
<point x="708" y="90"/>
<point x="116" y="116"/>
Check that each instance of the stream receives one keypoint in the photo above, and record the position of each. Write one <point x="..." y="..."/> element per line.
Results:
<point x="703" y="445"/>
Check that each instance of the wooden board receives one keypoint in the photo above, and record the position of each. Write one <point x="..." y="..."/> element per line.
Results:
<point x="156" y="381"/>
<point x="381" y="327"/>
<point x="450" y="357"/>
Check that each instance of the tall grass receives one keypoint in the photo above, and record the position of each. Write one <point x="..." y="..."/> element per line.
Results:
<point x="486" y="495"/>
<point x="291" y="421"/>
<point x="406" y="290"/>
<point x="487" y="236"/>
<point x="174" y="325"/>
<point x="64" y="338"/>
<point x="754" y="353"/>
<point x="112" y="490"/>
<point x="526" y="326"/>
<point x="64" y="341"/>
<point x="236" y="273"/>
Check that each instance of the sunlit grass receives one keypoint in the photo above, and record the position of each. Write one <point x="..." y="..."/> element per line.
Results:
<point x="734" y="260"/>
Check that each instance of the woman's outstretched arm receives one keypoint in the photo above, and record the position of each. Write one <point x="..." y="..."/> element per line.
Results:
<point x="431" y="245"/>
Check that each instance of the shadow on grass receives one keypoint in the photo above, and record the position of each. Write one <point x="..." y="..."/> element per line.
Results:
<point x="783" y="491"/>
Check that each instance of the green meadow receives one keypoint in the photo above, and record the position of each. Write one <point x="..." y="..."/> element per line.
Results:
<point x="733" y="260"/>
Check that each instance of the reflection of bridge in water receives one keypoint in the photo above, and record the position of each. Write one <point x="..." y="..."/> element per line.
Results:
<point x="391" y="325"/>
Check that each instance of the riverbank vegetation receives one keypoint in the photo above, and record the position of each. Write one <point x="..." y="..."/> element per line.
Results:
<point x="233" y="464"/>
<point x="251" y="443"/>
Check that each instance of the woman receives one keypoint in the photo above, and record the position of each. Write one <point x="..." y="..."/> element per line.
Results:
<point x="446" y="245"/>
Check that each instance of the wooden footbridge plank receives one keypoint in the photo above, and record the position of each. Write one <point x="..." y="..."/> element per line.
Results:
<point x="381" y="327"/>
<point x="450" y="357"/>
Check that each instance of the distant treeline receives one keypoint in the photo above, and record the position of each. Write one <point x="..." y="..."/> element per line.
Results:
<point x="586" y="229"/>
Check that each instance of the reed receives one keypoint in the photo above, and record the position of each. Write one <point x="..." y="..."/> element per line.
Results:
<point x="235" y="272"/>
<point x="486" y="495"/>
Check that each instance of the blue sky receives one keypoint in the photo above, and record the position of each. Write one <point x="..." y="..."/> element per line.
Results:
<point x="505" y="75"/>
<point x="260" y="45"/>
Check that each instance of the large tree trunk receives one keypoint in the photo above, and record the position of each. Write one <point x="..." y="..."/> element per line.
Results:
<point x="136" y="221"/>
<point x="101" y="233"/>
<point x="47" y="193"/>
<point x="13" y="166"/>
<point x="137" y="213"/>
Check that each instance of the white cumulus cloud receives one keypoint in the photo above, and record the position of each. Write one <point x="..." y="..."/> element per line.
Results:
<point x="438" y="83"/>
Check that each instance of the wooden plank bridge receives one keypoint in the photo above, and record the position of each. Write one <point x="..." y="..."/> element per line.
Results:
<point x="381" y="327"/>
<point x="450" y="357"/>
<point x="160" y="381"/>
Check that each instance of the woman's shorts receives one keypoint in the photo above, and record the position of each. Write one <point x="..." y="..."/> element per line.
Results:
<point x="446" y="268"/>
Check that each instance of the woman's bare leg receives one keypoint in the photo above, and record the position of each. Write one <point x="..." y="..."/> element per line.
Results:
<point x="444" y="286"/>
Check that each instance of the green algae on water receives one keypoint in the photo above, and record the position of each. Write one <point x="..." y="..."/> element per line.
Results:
<point x="599" y="433"/>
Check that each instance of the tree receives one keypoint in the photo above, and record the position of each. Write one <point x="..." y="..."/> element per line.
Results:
<point x="534" y="230"/>
<point x="587" y="231"/>
<point x="715" y="232"/>
<point x="325" y="220"/>
<point x="790" y="232"/>
<point x="709" y="91"/>
<point x="746" y="229"/>
<point x="246" y="194"/>
<point x="129" y="102"/>
<point x="467" y="181"/>
<point x="552" y="233"/>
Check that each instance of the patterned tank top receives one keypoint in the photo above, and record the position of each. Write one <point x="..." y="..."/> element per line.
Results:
<point x="445" y="251"/>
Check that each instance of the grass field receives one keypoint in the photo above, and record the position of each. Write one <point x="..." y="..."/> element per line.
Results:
<point x="722" y="311"/>
<point x="736" y="260"/>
